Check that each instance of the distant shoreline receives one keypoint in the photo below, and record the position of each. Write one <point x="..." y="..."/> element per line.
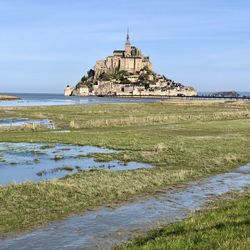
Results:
<point x="8" y="97"/>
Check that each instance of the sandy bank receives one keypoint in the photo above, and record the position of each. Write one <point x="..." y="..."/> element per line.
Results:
<point x="8" y="97"/>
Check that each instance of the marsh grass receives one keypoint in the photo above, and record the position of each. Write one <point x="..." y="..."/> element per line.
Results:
<point x="40" y="203"/>
<point x="159" y="119"/>
<point x="184" y="142"/>
<point x="49" y="146"/>
<point x="167" y="112"/>
<point x="225" y="226"/>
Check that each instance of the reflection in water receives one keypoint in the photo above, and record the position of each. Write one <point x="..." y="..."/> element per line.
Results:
<point x="26" y="121"/>
<point x="60" y="99"/>
<point x="106" y="227"/>
<point x="21" y="162"/>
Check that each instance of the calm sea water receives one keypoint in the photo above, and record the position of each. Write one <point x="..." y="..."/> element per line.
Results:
<point x="34" y="99"/>
<point x="246" y="93"/>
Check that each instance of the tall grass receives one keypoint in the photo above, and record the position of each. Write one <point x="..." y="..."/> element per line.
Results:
<point x="27" y="205"/>
<point x="159" y="119"/>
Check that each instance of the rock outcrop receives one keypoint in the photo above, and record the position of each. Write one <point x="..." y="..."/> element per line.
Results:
<point x="225" y="94"/>
<point x="127" y="73"/>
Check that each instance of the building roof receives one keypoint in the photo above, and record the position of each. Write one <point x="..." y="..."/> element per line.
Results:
<point x="134" y="57"/>
<point x="118" y="51"/>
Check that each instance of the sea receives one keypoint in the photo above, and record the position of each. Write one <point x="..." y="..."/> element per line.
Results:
<point x="38" y="99"/>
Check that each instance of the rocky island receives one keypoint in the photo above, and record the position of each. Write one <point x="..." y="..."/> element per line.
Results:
<point x="127" y="73"/>
<point x="225" y="94"/>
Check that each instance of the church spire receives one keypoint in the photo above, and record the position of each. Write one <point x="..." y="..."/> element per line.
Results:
<point x="128" y="48"/>
<point x="128" y="38"/>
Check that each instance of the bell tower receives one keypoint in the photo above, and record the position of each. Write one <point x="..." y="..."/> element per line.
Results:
<point x="127" y="45"/>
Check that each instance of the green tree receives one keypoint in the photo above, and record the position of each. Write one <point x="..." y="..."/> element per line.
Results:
<point x="105" y="76"/>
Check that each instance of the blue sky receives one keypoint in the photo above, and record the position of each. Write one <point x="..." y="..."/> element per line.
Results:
<point x="46" y="44"/>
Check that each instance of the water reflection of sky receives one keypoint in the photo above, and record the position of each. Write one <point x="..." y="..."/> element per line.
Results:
<point x="108" y="227"/>
<point x="59" y="99"/>
<point x="26" y="121"/>
<point x="21" y="162"/>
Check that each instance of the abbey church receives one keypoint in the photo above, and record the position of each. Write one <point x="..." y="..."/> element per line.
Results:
<point x="130" y="59"/>
<point x="127" y="73"/>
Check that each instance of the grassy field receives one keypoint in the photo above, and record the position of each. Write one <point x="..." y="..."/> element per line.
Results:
<point x="227" y="226"/>
<point x="184" y="140"/>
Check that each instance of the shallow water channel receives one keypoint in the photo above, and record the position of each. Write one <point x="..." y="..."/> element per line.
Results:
<point x="107" y="226"/>
<point x="35" y="162"/>
<point x="20" y="122"/>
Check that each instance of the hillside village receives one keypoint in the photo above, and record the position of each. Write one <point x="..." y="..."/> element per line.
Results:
<point x="127" y="73"/>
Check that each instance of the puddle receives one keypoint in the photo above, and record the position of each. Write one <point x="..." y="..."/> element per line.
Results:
<point x="26" y="121"/>
<point x="107" y="227"/>
<point x="21" y="162"/>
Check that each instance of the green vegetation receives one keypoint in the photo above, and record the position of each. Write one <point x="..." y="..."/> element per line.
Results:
<point x="121" y="76"/>
<point x="105" y="76"/>
<point x="46" y="147"/>
<point x="27" y="205"/>
<point x="184" y="140"/>
<point x="225" y="227"/>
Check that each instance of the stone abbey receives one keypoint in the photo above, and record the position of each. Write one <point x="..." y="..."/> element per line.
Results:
<point x="130" y="59"/>
<point x="127" y="73"/>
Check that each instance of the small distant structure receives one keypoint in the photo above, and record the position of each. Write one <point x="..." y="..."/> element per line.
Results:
<point x="225" y="94"/>
<point x="68" y="90"/>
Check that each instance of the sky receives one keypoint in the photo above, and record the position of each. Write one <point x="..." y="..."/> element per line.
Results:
<point x="47" y="44"/>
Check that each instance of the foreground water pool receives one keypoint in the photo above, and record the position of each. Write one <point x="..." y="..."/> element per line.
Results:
<point x="20" y="122"/>
<point x="20" y="162"/>
<point x="107" y="227"/>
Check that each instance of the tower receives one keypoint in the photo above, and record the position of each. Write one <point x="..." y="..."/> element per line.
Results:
<point x="127" y="45"/>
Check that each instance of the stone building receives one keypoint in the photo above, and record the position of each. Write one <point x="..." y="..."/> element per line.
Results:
<point x="127" y="73"/>
<point x="68" y="90"/>
<point x="130" y="59"/>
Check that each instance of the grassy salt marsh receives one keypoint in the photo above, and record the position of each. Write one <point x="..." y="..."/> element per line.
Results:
<point x="225" y="226"/>
<point x="184" y="140"/>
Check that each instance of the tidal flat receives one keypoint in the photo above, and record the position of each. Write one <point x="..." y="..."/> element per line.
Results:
<point x="183" y="140"/>
<point x="36" y="162"/>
